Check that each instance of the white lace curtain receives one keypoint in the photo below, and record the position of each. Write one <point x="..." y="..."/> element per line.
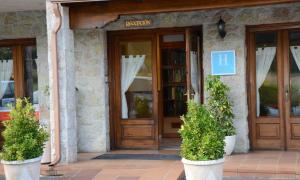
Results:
<point x="130" y="68"/>
<point x="296" y="54"/>
<point x="264" y="59"/>
<point x="6" y="69"/>
<point x="195" y="75"/>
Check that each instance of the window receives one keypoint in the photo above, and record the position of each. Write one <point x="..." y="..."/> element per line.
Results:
<point x="18" y="72"/>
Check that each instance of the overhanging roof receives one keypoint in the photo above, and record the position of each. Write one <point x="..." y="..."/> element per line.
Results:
<point x="75" y="1"/>
<point x="96" y="14"/>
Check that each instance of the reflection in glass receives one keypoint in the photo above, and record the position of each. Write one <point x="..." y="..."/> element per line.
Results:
<point x="195" y="76"/>
<point x="7" y="92"/>
<point x="266" y="74"/>
<point x="136" y="79"/>
<point x="173" y="38"/>
<point x="31" y="74"/>
<point x="174" y="80"/>
<point x="295" y="73"/>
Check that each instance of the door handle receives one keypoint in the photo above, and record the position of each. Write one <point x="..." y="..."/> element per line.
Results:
<point x="287" y="94"/>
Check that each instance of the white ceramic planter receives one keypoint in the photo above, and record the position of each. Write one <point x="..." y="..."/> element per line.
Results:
<point x="21" y="170"/>
<point x="203" y="170"/>
<point x="229" y="144"/>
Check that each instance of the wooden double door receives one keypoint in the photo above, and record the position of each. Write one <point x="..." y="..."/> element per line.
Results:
<point x="274" y="86"/>
<point x="150" y="81"/>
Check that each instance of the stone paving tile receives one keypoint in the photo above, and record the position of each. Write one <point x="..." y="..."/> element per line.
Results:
<point x="263" y="164"/>
<point x="244" y="178"/>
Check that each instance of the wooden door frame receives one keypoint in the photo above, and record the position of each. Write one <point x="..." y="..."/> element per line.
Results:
<point x="251" y="91"/>
<point x="111" y="55"/>
<point x="115" y="97"/>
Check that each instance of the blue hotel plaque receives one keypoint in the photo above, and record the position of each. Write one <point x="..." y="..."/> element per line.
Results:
<point x="223" y="62"/>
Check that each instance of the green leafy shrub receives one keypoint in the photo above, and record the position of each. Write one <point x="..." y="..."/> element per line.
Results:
<point x="219" y="105"/>
<point x="23" y="137"/>
<point x="202" y="138"/>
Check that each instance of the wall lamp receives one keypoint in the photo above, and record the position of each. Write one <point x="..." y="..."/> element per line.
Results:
<point x="221" y="27"/>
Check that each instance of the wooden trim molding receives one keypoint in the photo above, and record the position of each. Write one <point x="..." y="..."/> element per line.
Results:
<point x="98" y="14"/>
<point x="16" y="42"/>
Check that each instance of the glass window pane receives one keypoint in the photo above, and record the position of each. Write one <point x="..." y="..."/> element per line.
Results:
<point x="266" y="74"/>
<point x="31" y="74"/>
<point x="173" y="38"/>
<point x="7" y="89"/>
<point x="136" y="79"/>
<point x="174" y="81"/>
<point x="295" y="73"/>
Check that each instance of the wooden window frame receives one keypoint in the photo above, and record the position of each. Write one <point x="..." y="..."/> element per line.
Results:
<point x="17" y="46"/>
<point x="280" y="28"/>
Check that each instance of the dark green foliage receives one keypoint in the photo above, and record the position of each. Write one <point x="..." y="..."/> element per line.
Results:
<point x="219" y="105"/>
<point x="23" y="137"/>
<point x="142" y="109"/>
<point x="202" y="138"/>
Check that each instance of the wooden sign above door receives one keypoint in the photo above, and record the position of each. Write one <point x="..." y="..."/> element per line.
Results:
<point x="138" y="23"/>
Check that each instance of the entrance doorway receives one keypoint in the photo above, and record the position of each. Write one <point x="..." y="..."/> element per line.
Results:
<point x="274" y="96"/>
<point x="152" y="74"/>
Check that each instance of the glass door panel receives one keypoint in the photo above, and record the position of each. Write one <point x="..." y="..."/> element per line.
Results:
<point x="266" y="74"/>
<point x="193" y="64"/>
<point x="136" y="79"/>
<point x="135" y="91"/>
<point x="266" y="70"/>
<point x="7" y="86"/>
<point x="294" y="54"/>
<point x="174" y="81"/>
<point x="292" y="90"/>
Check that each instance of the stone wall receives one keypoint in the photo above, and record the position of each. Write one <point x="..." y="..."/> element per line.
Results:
<point x="236" y="20"/>
<point x="31" y="24"/>
<point x="92" y="91"/>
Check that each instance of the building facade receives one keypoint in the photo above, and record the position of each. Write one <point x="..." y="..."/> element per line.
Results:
<point x="123" y="78"/>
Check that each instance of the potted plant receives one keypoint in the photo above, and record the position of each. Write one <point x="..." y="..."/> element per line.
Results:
<point x="202" y="147"/>
<point x="23" y="145"/>
<point x="221" y="108"/>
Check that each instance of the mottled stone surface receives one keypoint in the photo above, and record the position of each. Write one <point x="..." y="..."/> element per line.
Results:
<point x="31" y="24"/>
<point x="236" y="21"/>
<point x="92" y="94"/>
<point x="67" y="96"/>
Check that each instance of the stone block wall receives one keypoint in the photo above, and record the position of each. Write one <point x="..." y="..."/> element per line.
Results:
<point x="92" y="91"/>
<point x="236" y="21"/>
<point x="31" y="24"/>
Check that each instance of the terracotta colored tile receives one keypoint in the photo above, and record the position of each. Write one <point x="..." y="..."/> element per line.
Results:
<point x="257" y="175"/>
<point x="263" y="164"/>
<point x="128" y="178"/>
<point x="287" y="167"/>
<point x="87" y="174"/>
<point x="286" y="176"/>
<point x="248" y="166"/>
<point x="230" y="174"/>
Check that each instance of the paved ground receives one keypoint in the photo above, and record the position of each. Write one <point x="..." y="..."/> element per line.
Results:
<point x="226" y="178"/>
<point x="243" y="178"/>
<point x="264" y="164"/>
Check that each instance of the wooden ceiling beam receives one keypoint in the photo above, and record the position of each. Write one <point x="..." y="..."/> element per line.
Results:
<point x="97" y="14"/>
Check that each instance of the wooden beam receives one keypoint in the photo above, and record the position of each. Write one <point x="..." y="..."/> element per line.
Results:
<point x="97" y="14"/>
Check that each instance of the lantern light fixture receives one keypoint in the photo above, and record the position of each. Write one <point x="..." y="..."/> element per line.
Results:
<point x="221" y="27"/>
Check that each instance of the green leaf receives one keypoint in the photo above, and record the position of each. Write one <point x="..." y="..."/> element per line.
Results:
<point x="23" y="137"/>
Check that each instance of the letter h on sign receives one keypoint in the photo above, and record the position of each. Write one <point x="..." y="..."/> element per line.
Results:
<point x="223" y="63"/>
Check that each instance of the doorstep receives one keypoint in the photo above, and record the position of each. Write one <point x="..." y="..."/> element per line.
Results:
<point x="264" y="164"/>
